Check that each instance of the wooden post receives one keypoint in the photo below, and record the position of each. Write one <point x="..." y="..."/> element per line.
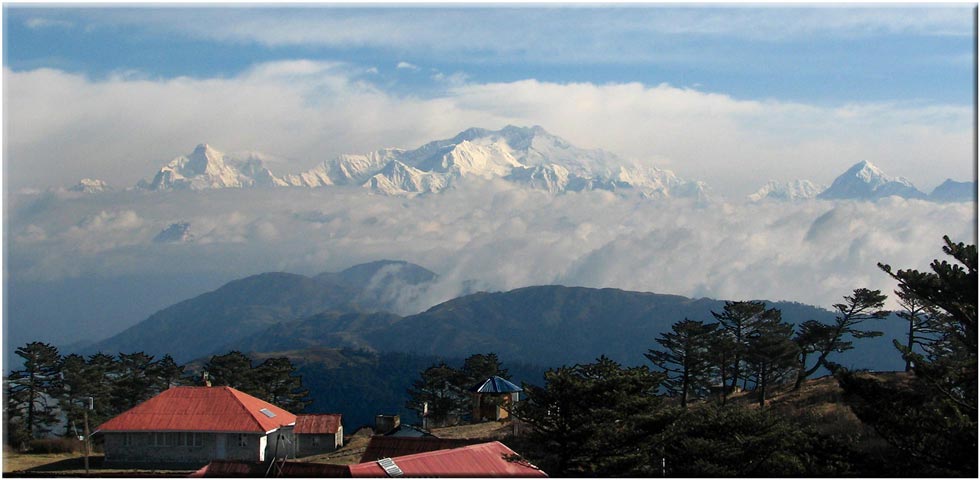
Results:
<point x="90" y="406"/>
<point x="86" y="443"/>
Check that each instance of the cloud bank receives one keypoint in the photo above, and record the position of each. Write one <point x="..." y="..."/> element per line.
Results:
<point x="490" y="235"/>
<point x="125" y="127"/>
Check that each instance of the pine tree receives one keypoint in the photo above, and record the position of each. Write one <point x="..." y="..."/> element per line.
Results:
<point x="739" y="320"/>
<point x="131" y="382"/>
<point x="823" y="340"/>
<point x="78" y="383"/>
<point x="771" y="354"/>
<point x="921" y="332"/>
<point x="280" y="385"/>
<point x="479" y="367"/>
<point x="685" y="358"/>
<point x="734" y="441"/>
<point x="100" y="368"/>
<point x="165" y="373"/>
<point x="597" y="419"/>
<point x="439" y="388"/>
<point x="931" y="420"/>
<point x="31" y="391"/>
<point x="233" y="369"/>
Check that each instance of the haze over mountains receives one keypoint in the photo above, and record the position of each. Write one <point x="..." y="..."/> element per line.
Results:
<point x="528" y="156"/>
<point x="542" y="325"/>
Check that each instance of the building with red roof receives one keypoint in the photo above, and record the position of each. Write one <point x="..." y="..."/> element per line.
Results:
<point x="492" y="459"/>
<point x="318" y="433"/>
<point x="197" y="425"/>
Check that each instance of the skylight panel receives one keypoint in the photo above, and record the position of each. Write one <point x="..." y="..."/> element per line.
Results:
<point x="266" y="412"/>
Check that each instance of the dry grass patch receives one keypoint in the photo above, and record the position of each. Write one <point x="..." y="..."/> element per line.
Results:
<point x="487" y="430"/>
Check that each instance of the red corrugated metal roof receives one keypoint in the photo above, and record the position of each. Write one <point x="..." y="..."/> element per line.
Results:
<point x="200" y="409"/>
<point x="381" y="446"/>
<point x="317" y="423"/>
<point x="240" y="468"/>
<point x="491" y="459"/>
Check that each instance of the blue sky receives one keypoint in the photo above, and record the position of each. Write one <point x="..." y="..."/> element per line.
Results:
<point x="796" y="53"/>
<point x="917" y="59"/>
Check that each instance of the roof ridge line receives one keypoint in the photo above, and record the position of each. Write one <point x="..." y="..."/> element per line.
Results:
<point x="232" y="391"/>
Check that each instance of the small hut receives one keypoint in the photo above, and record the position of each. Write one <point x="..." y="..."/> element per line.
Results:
<point x="492" y="399"/>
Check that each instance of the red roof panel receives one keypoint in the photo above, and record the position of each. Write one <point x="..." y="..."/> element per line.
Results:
<point x="319" y="423"/>
<point x="200" y="409"/>
<point x="491" y="459"/>
<point x="380" y="446"/>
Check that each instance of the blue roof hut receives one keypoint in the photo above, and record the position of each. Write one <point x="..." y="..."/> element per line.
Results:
<point x="493" y="398"/>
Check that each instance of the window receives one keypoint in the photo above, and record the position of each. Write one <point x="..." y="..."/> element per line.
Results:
<point x="316" y="440"/>
<point x="242" y="440"/>
<point x="189" y="439"/>
<point x="267" y="412"/>
<point x="127" y="439"/>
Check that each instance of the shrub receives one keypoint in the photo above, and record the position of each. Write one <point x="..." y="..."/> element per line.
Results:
<point x="56" y="445"/>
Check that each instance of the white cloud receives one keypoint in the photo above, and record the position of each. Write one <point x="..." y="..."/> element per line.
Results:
<point x="407" y="66"/>
<point x="548" y="33"/>
<point x="35" y="23"/>
<point x="62" y="126"/>
<point x="492" y="235"/>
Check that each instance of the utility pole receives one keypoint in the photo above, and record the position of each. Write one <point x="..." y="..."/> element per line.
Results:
<point x="90" y="406"/>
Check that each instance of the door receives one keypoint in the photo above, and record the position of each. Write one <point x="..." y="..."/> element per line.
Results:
<point x="219" y="445"/>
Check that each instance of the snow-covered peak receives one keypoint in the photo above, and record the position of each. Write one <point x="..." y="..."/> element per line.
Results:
<point x="790" y="191"/>
<point x="90" y="185"/>
<point x="866" y="181"/>
<point x="207" y="167"/>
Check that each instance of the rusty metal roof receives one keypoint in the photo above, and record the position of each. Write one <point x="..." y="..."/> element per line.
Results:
<point x="491" y="459"/>
<point x="380" y="446"/>
<point x="200" y="409"/>
<point x="317" y="423"/>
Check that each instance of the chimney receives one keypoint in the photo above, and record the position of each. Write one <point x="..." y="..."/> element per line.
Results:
<point x="386" y="423"/>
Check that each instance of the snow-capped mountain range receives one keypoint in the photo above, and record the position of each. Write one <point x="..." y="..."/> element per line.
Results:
<point x="528" y="156"/>
<point x="789" y="191"/>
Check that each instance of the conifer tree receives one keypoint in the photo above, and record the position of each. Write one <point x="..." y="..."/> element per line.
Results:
<point x="597" y="419"/>
<point x="685" y="358"/>
<point x="439" y="388"/>
<point x="921" y="331"/>
<point x="165" y="373"/>
<point x="739" y="319"/>
<point x="276" y="378"/>
<point x="771" y="354"/>
<point x="78" y="383"/>
<point x="931" y="420"/>
<point x="479" y="367"/>
<point x="31" y="390"/>
<point x="131" y="381"/>
<point x="861" y="306"/>
<point x="233" y="369"/>
<point x="100" y="368"/>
